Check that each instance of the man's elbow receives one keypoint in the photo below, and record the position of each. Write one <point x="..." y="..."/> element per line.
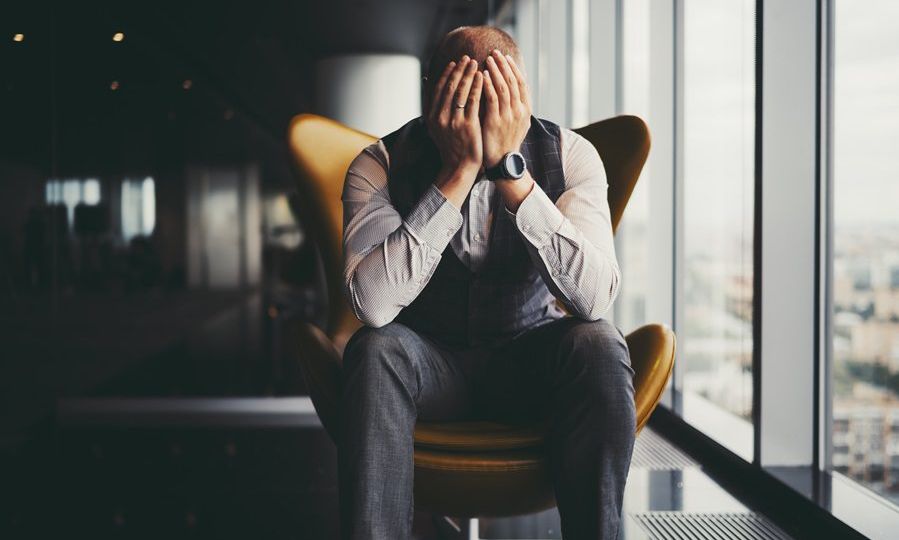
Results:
<point x="375" y="320"/>
<point x="603" y="299"/>
<point x="594" y="311"/>
<point x="367" y="309"/>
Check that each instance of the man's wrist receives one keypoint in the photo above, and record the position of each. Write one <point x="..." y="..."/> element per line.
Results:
<point x="455" y="181"/>
<point x="513" y="192"/>
<point x="493" y="161"/>
<point x="458" y="172"/>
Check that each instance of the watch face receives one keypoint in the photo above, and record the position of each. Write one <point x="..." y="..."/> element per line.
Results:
<point x="515" y="165"/>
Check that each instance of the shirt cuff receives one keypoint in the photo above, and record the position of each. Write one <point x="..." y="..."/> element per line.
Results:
<point x="434" y="220"/>
<point x="537" y="217"/>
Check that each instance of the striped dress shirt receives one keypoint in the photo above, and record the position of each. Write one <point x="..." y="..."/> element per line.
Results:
<point x="388" y="260"/>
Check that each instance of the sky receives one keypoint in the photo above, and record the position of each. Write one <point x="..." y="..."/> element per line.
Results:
<point x="718" y="109"/>
<point x="866" y="111"/>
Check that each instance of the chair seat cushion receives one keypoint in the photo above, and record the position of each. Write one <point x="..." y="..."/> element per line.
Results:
<point x="479" y="436"/>
<point x="482" y="484"/>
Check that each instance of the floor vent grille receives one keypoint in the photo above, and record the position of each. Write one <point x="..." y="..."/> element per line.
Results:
<point x="707" y="525"/>
<point x="652" y="451"/>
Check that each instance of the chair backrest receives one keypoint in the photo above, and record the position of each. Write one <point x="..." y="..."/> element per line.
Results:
<point x="623" y="144"/>
<point x="323" y="150"/>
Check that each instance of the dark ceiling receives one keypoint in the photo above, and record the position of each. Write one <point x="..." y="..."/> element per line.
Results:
<point x="249" y="67"/>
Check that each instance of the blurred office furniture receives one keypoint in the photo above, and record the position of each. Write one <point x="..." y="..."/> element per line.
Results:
<point x="462" y="469"/>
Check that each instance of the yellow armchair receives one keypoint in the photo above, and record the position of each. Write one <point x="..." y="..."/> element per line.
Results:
<point x="462" y="469"/>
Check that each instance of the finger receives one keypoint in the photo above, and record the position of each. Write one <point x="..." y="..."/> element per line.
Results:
<point x="508" y="75"/>
<point x="464" y="87"/>
<point x="499" y="82"/>
<point x="474" y="97"/>
<point x="490" y="91"/>
<point x="451" y="85"/>
<point x="522" y="84"/>
<point x="437" y="95"/>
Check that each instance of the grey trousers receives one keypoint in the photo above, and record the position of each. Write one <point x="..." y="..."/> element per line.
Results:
<point x="576" y="371"/>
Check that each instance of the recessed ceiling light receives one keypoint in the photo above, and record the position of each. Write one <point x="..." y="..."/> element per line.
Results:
<point x="18" y="38"/>
<point x="114" y="85"/>
<point x="118" y="36"/>
<point x="187" y="84"/>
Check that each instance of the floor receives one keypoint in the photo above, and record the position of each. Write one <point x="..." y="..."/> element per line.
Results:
<point x="111" y="455"/>
<point x="278" y="481"/>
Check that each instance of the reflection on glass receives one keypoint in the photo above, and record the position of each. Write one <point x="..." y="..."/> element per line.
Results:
<point x="138" y="208"/>
<point x="71" y="193"/>
<point x="632" y="242"/>
<point x="90" y="192"/>
<point x="866" y="244"/>
<point x="716" y="332"/>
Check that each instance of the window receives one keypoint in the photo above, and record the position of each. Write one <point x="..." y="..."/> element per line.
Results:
<point x="632" y="242"/>
<point x="71" y="193"/>
<point x="138" y="208"/>
<point x="865" y="279"/>
<point x="718" y="182"/>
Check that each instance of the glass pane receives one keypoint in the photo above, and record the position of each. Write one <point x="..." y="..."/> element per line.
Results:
<point x="632" y="242"/>
<point x="718" y="137"/>
<point x="866" y="244"/>
<point x="113" y="151"/>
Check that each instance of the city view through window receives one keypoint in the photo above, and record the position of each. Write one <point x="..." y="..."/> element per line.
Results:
<point x="715" y="338"/>
<point x="866" y="244"/>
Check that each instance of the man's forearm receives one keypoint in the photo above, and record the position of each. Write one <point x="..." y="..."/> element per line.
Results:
<point x="455" y="183"/>
<point x="515" y="191"/>
<point x="585" y="277"/>
<point x="385" y="274"/>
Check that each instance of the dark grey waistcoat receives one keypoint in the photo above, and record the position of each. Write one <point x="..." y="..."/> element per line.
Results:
<point x="507" y="295"/>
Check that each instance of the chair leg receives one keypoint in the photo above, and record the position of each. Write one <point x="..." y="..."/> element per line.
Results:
<point x="474" y="532"/>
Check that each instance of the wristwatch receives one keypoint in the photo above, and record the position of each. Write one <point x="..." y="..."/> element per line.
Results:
<point x="510" y="167"/>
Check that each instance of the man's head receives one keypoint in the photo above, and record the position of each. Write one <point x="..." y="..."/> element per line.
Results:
<point x="476" y="42"/>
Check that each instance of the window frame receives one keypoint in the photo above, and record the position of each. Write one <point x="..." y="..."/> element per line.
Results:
<point x="793" y="213"/>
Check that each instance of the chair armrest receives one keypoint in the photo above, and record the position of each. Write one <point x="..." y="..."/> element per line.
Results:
<point x="652" y="349"/>
<point x="320" y="364"/>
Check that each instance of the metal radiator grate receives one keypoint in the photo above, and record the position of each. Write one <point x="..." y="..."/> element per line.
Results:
<point x="652" y="451"/>
<point x="708" y="525"/>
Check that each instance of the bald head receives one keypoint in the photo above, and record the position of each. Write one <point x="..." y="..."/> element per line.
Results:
<point x="476" y="42"/>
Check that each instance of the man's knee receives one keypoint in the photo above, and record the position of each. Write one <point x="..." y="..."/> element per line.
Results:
<point x="589" y="338"/>
<point x="598" y="352"/>
<point x="371" y="349"/>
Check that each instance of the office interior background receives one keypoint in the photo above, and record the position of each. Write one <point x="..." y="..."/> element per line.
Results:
<point x="153" y="256"/>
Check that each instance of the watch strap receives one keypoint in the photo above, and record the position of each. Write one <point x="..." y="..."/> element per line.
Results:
<point x="497" y="171"/>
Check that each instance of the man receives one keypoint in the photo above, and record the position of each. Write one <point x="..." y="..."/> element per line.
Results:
<point x="461" y="229"/>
